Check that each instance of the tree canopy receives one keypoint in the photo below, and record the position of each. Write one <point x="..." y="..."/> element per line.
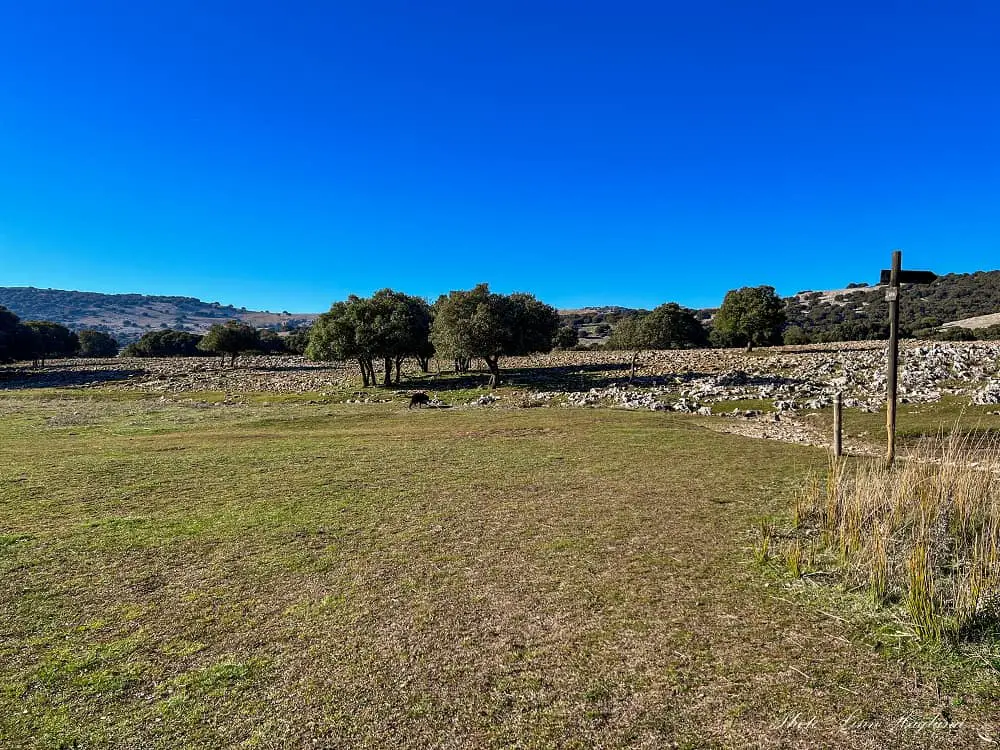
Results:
<point x="749" y="317"/>
<point x="230" y="339"/>
<point x="669" y="326"/>
<point x="480" y="323"/>
<point x="13" y="336"/>
<point x="165" y="343"/>
<point x="48" y="340"/>
<point x="97" y="344"/>
<point x="388" y="326"/>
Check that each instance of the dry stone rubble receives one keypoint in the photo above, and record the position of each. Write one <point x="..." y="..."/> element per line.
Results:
<point x="788" y="379"/>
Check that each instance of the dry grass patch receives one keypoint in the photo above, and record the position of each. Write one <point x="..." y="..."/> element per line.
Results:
<point x="922" y="537"/>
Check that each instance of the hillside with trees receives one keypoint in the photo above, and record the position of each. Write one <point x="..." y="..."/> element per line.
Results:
<point x="860" y="313"/>
<point x="857" y="312"/>
<point x="127" y="317"/>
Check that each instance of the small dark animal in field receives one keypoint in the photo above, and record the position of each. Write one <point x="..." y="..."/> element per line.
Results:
<point x="419" y="399"/>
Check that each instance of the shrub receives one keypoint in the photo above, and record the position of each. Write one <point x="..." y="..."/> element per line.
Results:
<point x="271" y="342"/>
<point x="794" y="336"/>
<point x="566" y="338"/>
<point x="990" y="333"/>
<point x="951" y="333"/>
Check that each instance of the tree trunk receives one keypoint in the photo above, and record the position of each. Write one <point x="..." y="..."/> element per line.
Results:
<point x="635" y="360"/>
<point x="749" y="346"/>
<point x="232" y="360"/>
<point x="425" y="364"/>
<point x="399" y="361"/>
<point x="387" y="362"/>
<point x="494" y="367"/>
<point x="364" y="371"/>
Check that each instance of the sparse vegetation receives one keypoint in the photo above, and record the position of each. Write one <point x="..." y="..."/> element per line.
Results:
<point x="118" y="314"/>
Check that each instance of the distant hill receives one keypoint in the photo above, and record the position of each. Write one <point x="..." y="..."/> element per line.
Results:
<point x="856" y="312"/>
<point x="861" y="312"/>
<point x="593" y="324"/>
<point x="128" y="316"/>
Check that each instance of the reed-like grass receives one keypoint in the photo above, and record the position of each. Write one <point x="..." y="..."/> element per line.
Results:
<point x="922" y="535"/>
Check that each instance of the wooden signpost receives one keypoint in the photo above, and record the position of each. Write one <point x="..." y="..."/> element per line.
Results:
<point x="894" y="277"/>
<point x="838" y="422"/>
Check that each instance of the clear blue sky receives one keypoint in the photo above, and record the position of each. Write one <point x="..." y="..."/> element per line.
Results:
<point x="281" y="155"/>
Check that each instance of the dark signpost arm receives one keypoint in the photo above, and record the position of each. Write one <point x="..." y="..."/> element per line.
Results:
<point x="893" y="296"/>
<point x="894" y="277"/>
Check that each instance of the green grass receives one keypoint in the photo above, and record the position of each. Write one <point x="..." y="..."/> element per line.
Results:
<point x="917" y="421"/>
<point x="746" y="404"/>
<point x="197" y="574"/>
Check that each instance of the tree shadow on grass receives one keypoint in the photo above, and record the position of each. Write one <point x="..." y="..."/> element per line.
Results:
<point x="580" y="378"/>
<point x="539" y="378"/>
<point x="25" y="379"/>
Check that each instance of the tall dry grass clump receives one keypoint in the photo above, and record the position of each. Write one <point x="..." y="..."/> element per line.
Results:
<point x="923" y="534"/>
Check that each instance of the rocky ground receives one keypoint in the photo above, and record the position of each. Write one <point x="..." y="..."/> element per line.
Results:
<point x="774" y="386"/>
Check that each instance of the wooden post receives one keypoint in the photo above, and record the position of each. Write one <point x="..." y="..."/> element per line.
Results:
<point x="892" y="295"/>
<point x="838" y="406"/>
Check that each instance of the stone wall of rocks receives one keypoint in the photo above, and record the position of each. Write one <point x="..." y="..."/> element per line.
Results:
<point x="790" y="378"/>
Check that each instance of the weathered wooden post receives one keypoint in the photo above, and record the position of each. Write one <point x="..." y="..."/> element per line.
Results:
<point x="890" y="399"/>
<point x="838" y="405"/>
<point x="894" y="277"/>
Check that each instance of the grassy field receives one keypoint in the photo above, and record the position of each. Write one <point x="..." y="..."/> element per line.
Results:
<point x="329" y="575"/>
